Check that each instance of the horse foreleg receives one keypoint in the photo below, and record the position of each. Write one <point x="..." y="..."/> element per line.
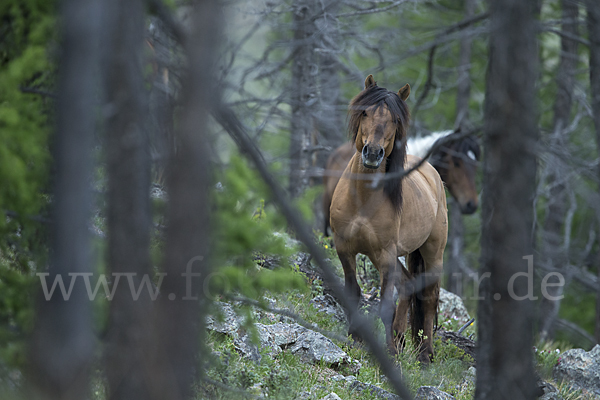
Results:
<point x="352" y="291"/>
<point x="401" y="317"/>
<point x="387" y="275"/>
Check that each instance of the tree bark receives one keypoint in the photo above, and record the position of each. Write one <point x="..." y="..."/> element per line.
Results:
<point x="555" y="252"/>
<point x="179" y="321"/>
<point x="63" y="340"/>
<point x="456" y="230"/>
<point x="129" y="215"/>
<point x="593" y="23"/>
<point x="303" y="95"/>
<point x="456" y="244"/>
<point x="504" y="356"/>
<point x="463" y="90"/>
<point x="330" y="119"/>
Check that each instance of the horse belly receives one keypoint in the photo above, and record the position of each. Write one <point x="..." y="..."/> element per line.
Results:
<point x="419" y="213"/>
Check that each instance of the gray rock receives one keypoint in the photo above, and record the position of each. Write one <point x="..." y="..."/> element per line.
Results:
<point x="305" y="395"/>
<point x="331" y="396"/>
<point x="432" y="393"/>
<point x="550" y="392"/>
<point x="551" y="396"/>
<point x="309" y="345"/>
<point x="471" y="375"/>
<point x="327" y="304"/>
<point x="452" y="307"/>
<point x="229" y="324"/>
<point x="580" y="369"/>
<point x="373" y="390"/>
<point x="314" y="347"/>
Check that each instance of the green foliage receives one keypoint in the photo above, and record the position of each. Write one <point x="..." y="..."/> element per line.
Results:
<point x="546" y="359"/>
<point x="575" y="307"/>
<point x="24" y="121"/>
<point x="245" y="224"/>
<point x="16" y="313"/>
<point x="447" y="372"/>
<point x="566" y="392"/>
<point x="27" y="32"/>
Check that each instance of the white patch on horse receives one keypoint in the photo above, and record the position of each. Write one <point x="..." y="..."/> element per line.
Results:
<point x="471" y="155"/>
<point x="419" y="146"/>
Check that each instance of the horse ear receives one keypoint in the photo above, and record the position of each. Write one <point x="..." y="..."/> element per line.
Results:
<point x="370" y="81"/>
<point x="404" y="92"/>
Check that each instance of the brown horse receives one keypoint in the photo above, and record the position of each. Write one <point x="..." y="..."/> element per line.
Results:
<point x="456" y="163"/>
<point x="376" y="212"/>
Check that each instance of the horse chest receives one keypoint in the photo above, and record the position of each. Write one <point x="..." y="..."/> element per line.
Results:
<point x="364" y="228"/>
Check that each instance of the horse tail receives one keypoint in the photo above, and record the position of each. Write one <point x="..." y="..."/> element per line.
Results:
<point x="326" y="227"/>
<point x="326" y="213"/>
<point x="416" y="266"/>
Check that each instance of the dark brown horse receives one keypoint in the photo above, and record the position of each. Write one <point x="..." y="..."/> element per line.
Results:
<point x="399" y="216"/>
<point x="456" y="163"/>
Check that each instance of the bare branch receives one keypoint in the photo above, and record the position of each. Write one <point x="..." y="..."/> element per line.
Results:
<point x="37" y="91"/>
<point x="563" y="323"/>
<point x="372" y="10"/>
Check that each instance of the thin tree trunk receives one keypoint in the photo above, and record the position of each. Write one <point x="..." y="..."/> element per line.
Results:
<point x="63" y="341"/>
<point x="555" y="253"/>
<point x="456" y="244"/>
<point x="593" y="23"/>
<point x="129" y="219"/>
<point x="463" y="91"/>
<point x="179" y="322"/>
<point x="457" y="230"/>
<point x="504" y="357"/>
<point x="303" y="95"/>
<point x="330" y="120"/>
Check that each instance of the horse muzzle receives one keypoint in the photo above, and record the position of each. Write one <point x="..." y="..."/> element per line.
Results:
<point x="372" y="156"/>
<point x="469" y="207"/>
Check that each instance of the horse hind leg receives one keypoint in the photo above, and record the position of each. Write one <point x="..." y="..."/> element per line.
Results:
<point x="424" y="304"/>
<point x="431" y="295"/>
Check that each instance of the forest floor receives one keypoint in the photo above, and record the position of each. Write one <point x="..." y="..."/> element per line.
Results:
<point x="232" y="373"/>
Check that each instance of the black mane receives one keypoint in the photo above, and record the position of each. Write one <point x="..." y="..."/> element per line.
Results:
<point x="456" y="149"/>
<point x="379" y="97"/>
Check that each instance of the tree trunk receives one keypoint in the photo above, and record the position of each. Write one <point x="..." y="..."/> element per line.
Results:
<point x="463" y="90"/>
<point x="330" y="118"/>
<point x="593" y="23"/>
<point x="457" y="230"/>
<point x="63" y="340"/>
<point x="456" y="244"/>
<point x="504" y="356"/>
<point x="303" y="95"/>
<point x="129" y="215"/>
<point x="179" y="320"/>
<point x="555" y="253"/>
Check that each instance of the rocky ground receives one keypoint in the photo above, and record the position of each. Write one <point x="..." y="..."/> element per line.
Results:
<point x="295" y="347"/>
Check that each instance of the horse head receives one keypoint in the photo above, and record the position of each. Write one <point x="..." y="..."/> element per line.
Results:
<point x="457" y="164"/>
<point x="378" y="120"/>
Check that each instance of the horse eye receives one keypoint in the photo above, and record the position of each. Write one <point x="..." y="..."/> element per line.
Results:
<point x="456" y="164"/>
<point x="364" y="113"/>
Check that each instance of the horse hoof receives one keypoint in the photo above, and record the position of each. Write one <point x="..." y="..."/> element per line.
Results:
<point x="424" y="359"/>
<point x="356" y="339"/>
